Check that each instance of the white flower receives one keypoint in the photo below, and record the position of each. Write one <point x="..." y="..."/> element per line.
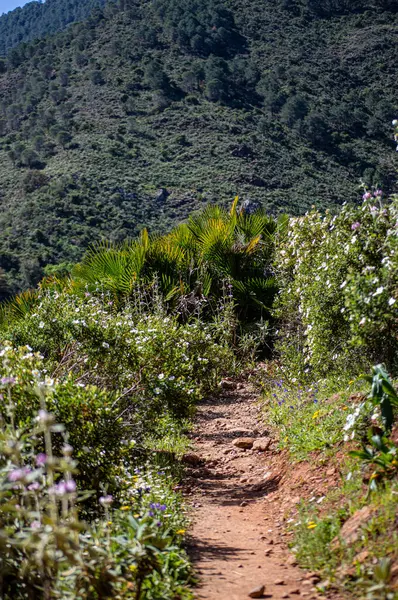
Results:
<point x="379" y="291"/>
<point x="161" y="376"/>
<point x="391" y="301"/>
<point x="362" y="321"/>
<point x="41" y="325"/>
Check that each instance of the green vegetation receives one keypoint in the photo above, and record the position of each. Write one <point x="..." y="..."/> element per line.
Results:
<point x="99" y="377"/>
<point x="37" y="20"/>
<point x="118" y="129"/>
<point x="151" y="110"/>
<point x="120" y="347"/>
<point x="336" y="316"/>
<point x="86" y="499"/>
<point x="307" y="418"/>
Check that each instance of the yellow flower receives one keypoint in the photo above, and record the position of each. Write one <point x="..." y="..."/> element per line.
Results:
<point x="351" y="382"/>
<point x="109" y="523"/>
<point x="312" y="525"/>
<point x="132" y="567"/>
<point x="136" y="516"/>
<point x="316" y="414"/>
<point x="180" y="532"/>
<point x="125" y="507"/>
<point x="344" y="408"/>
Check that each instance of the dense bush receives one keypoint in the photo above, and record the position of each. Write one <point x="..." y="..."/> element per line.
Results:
<point x="160" y="363"/>
<point x="100" y="381"/>
<point x="100" y="438"/>
<point x="338" y="277"/>
<point x="49" y="552"/>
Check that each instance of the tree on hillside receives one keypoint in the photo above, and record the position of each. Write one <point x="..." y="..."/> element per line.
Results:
<point x="294" y="109"/>
<point x="217" y="79"/>
<point x="155" y="77"/>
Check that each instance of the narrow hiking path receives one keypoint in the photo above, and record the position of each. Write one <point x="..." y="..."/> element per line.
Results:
<point x="238" y="540"/>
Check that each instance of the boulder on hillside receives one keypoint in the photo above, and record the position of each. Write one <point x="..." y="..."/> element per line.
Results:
<point x="250" y="206"/>
<point x="352" y="528"/>
<point x="162" y="195"/>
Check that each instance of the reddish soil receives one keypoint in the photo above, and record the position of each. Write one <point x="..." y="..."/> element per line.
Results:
<point x="241" y="500"/>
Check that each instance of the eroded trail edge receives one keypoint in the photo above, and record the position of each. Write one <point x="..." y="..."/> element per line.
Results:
<point x="238" y="539"/>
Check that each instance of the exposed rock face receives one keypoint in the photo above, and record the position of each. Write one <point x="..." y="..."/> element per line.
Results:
<point x="351" y="530"/>
<point x="162" y="195"/>
<point x="250" y="206"/>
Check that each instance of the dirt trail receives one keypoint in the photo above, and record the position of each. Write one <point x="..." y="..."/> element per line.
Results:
<point x="238" y="540"/>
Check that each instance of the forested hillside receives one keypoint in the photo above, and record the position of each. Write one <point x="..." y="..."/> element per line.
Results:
<point x="38" y="19"/>
<point x="151" y="109"/>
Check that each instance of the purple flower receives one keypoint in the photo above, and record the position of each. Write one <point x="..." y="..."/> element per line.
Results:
<point x="35" y="525"/>
<point x="41" y="459"/>
<point x="8" y="380"/>
<point x="106" y="500"/>
<point x="151" y="513"/>
<point x="63" y="488"/>
<point x="378" y="193"/>
<point x="18" y="474"/>
<point x="355" y="225"/>
<point x="159" y="523"/>
<point x="34" y="486"/>
<point x="367" y="196"/>
<point x="70" y="486"/>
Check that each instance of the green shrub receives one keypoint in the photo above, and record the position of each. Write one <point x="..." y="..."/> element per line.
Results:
<point x="154" y="360"/>
<point x="338" y="281"/>
<point x="92" y="417"/>
<point x="132" y="551"/>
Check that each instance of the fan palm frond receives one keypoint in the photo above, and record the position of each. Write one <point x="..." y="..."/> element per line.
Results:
<point x="18" y="307"/>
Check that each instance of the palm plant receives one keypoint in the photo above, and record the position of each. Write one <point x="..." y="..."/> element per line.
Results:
<point x="114" y="268"/>
<point x="238" y="247"/>
<point x="213" y="247"/>
<point x="18" y="307"/>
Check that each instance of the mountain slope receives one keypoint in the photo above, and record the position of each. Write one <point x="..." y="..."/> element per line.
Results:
<point x="276" y="101"/>
<point x="37" y="19"/>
